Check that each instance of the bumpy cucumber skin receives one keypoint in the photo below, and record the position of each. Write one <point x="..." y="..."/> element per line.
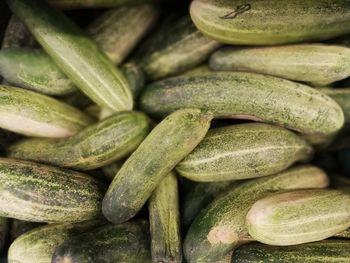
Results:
<point x="78" y="57"/>
<point x="317" y="64"/>
<point x="100" y="144"/>
<point x="40" y="193"/>
<point x="33" y="114"/>
<point x="250" y="96"/>
<point x="78" y="4"/>
<point x="242" y="152"/>
<point x="4" y="231"/>
<point x="128" y="242"/>
<point x="327" y="251"/>
<point x="17" y="35"/>
<point x="38" y="245"/>
<point x="167" y="144"/>
<point x="220" y="227"/>
<point x="298" y="217"/>
<point x="271" y="22"/>
<point x="164" y="217"/>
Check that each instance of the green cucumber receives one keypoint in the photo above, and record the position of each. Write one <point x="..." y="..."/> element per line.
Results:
<point x="19" y="227"/>
<point x="328" y="251"/>
<point x="167" y="144"/>
<point x="17" y="35"/>
<point x="41" y="193"/>
<point x="128" y="242"/>
<point x="244" y="151"/>
<point x="164" y="218"/>
<point x="271" y="22"/>
<point x="100" y="144"/>
<point x="135" y="77"/>
<point x="220" y="227"/>
<point x="78" y="57"/>
<point x="33" y="114"/>
<point x="4" y="231"/>
<point x="298" y="217"/>
<point x="38" y="245"/>
<point x="318" y="64"/>
<point x="78" y="4"/>
<point x="248" y="96"/>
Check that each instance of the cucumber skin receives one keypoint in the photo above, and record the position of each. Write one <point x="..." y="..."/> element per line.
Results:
<point x="40" y="193"/>
<point x="180" y="133"/>
<point x="220" y="227"/>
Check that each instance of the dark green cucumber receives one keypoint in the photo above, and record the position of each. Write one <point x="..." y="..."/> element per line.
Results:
<point x="128" y="242"/>
<point x="220" y="227"/>
<point x="17" y="35"/>
<point x="164" y="219"/>
<point x="167" y="144"/>
<point x="41" y="193"/>
<point x="271" y="22"/>
<point x="4" y="231"/>
<point x="327" y="251"/>
<point x="75" y="54"/>
<point x="100" y="144"/>
<point x="78" y="4"/>
<point x="135" y="77"/>
<point x="19" y="227"/>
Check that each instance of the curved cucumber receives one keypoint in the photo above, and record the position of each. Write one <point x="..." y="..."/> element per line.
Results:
<point x="98" y="145"/>
<point x="78" y="4"/>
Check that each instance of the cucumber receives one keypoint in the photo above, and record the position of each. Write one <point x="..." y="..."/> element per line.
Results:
<point x="128" y="242"/>
<point x="38" y="245"/>
<point x="135" y="77"/>
<point x="78" y="4"/>
<point x="4" y="231"/>
<point x="41" y="193"/>
<point x="167" y="144"/>
<point x="100" y="144"/>
<point x="19" y="227"/>
<point x="244" y="151"/>
<point x="328" y="251"/>
<point x="294" y="62"/>
<point x="78" y="57"/>
<point x="271" y="22"/>
<point x="33" y="114"/>
<point x="220" y="227"/>
<point x="164" y="218"/>
<point x="247" y="96"/>
<point x="17" y="35"/>
<point x="298" y="217"/>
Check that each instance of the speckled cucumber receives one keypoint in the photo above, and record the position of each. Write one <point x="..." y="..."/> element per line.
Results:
<point x="20" y="227"/>
<point x="244" y="151"/>
<point x="33" y="114"/>
<point x="164" y="218"/>
<point x="318" y="64"/>
<point x="271" y="22"/>
<point x="78" y="4"/>
<point x="220" y="227"/>
<point x="38" y="245"/>
<point x="167" y="144"/>
<point x="248" y="96"/>
<point x="128" y="242"/>
<point x="100" y="144"/>
<point x="4" y="231"/>
<point x="179" y="46"/>
<point x="327" y="251"/>
<point x="298" y="217"/>
<point x="41" y="193"/>
<point x="79" y="58"/>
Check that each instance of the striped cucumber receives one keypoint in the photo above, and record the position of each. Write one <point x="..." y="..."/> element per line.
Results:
<point x="19" y="227"/>
<point x="78" y="57"/>
<point x="4" y="231"/>
<point x="33" y="114"/>
<point x="220" y="227"/>
<point x="248" y="96"/>
<point x="244" y="151"/>
<point x="17" y="35"/>
<point x="98" y="145"/>
<point x="78" y="4"/>
<point x="164" y="218"/>
<point x="318" y="64"/>
<point x="167" y="144"/>
<point x="298" y="217"/>
<point x="128" y="242"/>
<point x="271" y="22"/>
<point x="41" y="193"/>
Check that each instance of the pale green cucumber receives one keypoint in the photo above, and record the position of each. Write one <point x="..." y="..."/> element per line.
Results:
<point x="75" y="54"/>
<point x="318" y="64"/>
<point x="271" y="22"/>
<point x="167" y="144"/>
<point x="78" y="4"/>
<point x="19" y="227"/>
<point x="4" y="231"/>
<point x="100" y="144"/>
<point x="38" y="245"/>
<point x="33" y="114"/>
<point x="17" y="35"/>
<point x="244" y="151"/>
<point x="298" y="217"/>
<point x="41" y="193"/>
<point x="164" y="219"/>
<point x="220" y="227"/>
<point x="247" y="96"/>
